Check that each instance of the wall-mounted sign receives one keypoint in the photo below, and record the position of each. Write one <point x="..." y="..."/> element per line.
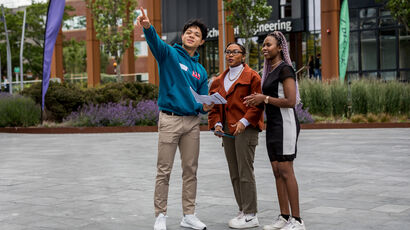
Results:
<point x="266" y="28"/>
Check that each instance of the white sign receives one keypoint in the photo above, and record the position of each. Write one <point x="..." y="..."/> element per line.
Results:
<point x="263" y="28"/>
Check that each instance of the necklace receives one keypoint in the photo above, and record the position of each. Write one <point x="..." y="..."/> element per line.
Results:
<point x="239" y="74"/>
<point x="274" y="65"/>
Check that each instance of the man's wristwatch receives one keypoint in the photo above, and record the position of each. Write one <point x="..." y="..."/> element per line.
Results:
<point x="266" y="100"/>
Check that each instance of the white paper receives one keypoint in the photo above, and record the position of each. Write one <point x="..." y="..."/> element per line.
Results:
<point x="215" y="98"/>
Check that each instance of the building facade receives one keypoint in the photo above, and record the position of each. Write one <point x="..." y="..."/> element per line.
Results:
<point x="379" y="46"/>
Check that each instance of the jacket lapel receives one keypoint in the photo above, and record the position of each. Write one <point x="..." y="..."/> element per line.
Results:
<point x="243" y="79"/>
<point x="222" y="84"/>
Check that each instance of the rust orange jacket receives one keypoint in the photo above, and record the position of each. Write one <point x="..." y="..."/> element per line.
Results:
<point x="248" y="82"/>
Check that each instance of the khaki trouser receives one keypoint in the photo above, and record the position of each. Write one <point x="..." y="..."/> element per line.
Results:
<point x="240" y="154"/>
<point x="181" y="131"/>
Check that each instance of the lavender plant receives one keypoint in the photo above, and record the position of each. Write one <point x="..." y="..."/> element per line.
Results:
<point x="16" y="110"/>
<point x="115" y="114"/>
<point x="303" y="114"/>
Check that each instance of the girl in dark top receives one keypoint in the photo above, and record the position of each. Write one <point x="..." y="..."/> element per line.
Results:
<point x="280" y="95"/>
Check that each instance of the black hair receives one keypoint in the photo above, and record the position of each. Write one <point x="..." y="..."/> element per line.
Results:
<point x="240" y="46"/>
<point x="198" y="23"/>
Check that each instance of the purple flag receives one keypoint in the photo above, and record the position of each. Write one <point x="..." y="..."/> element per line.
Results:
<point x="53" y="24"/>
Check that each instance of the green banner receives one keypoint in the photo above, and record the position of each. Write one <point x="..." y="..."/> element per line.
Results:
<point x="344" y="32"/>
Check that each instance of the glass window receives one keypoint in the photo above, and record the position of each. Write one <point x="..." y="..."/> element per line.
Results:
<point x="369" y="50"/>
<point x="296" y="9"/>
<point x="209" y="57"/>
<point x="353" y="19"/>
<point x="388" y="76"/>
<point x="368" y="23"/>
<point x="388" y="49"/>
<point x="353" y="62"/>
<point x="285" y="8"/>
<point x="368" y="13"/>
<point x="142" y="77"/>
<point x="140" y="48"/>
<point x="384" y="12"/>
<point x="75" y="23"/>
<point x="370" y="75"/>
<point x="368" y="18"/>
<point x="387" y="21"/>
<point x="404" y="50"/>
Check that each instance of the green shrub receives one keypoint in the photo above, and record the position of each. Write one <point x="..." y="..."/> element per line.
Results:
<point x="384" y="117"/>
<point x="339" y="98"/>
<point x="376" y="100"/>
<point x="397" y="98"/>
<point x="366" y="96"/>
<point x="316" y="97"/>
<point x="18" y="111"/>
<point x="359" y="97"/>
<point x="63" y="99"/>
<point x="371" y="118"/>
<point x="358" y="118"/>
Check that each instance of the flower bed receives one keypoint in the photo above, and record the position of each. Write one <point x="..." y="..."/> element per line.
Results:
<point x="115" y="114"/>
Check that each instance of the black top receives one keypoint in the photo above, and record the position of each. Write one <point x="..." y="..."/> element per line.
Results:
<point x="317" y="63"/>
<point x="311" y="65"/>
<point x="282" y="125"/>
<point x="273" y="87"/>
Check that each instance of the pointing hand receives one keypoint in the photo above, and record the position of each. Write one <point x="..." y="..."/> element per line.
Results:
<point x="143" y="20"/>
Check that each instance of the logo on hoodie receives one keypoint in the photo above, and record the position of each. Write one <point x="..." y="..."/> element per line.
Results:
<point x="196" y="75"/>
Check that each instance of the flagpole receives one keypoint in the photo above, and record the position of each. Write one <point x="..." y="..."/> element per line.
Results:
<point x="42" y="78"/>
<point x="344" y="33"/>
<point x="21" y="50"/>
<point x="55" y="14"/>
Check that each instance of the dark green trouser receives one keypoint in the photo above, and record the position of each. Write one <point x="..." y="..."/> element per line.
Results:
<point x="240" y="154"/>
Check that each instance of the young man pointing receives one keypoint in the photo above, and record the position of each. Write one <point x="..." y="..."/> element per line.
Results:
<point x="178" y="124"/>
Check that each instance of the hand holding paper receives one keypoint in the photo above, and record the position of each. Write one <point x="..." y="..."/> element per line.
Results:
<point x="215" y="98"/>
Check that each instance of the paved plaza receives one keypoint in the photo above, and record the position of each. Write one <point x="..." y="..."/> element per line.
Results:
<point x="349" y="179"/>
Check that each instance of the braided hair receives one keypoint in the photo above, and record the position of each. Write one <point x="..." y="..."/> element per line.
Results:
<point x="281" y="41"/>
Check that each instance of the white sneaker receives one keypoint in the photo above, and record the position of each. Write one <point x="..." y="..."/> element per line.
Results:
<point x="191" y="221"/>
<point x="237" y="217"/>
<point x="278" y="224"/>
<point x="246" y="221"/>
<point x="294" y="225"/>
<point x="161" y="222"/>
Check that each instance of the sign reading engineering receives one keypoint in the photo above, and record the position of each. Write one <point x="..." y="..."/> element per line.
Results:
<point x="284" y="26"/>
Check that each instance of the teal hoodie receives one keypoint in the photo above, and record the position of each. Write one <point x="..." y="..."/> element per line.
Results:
<point x="177" y="73"/>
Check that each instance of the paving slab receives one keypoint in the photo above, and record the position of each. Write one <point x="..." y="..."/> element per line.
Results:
<point x="348" y="179"/>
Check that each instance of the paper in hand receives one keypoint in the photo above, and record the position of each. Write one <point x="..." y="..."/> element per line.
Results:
<point x="215" y="98"/>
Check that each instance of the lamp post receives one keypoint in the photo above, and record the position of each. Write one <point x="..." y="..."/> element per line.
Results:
<point x="223" y="32"/>
<point x="21" y="50"/>
<point x="8" y="52"/>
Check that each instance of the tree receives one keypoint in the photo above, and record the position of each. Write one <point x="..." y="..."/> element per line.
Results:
<point x="74" y="55"/>
<point x="400" y="10"/>
<point x="108" y="22"/>
<point x="34" y="36"/>
<point x="247" y="15"/>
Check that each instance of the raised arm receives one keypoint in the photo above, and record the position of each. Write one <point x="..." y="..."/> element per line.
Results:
<point x="158" y="47"/>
